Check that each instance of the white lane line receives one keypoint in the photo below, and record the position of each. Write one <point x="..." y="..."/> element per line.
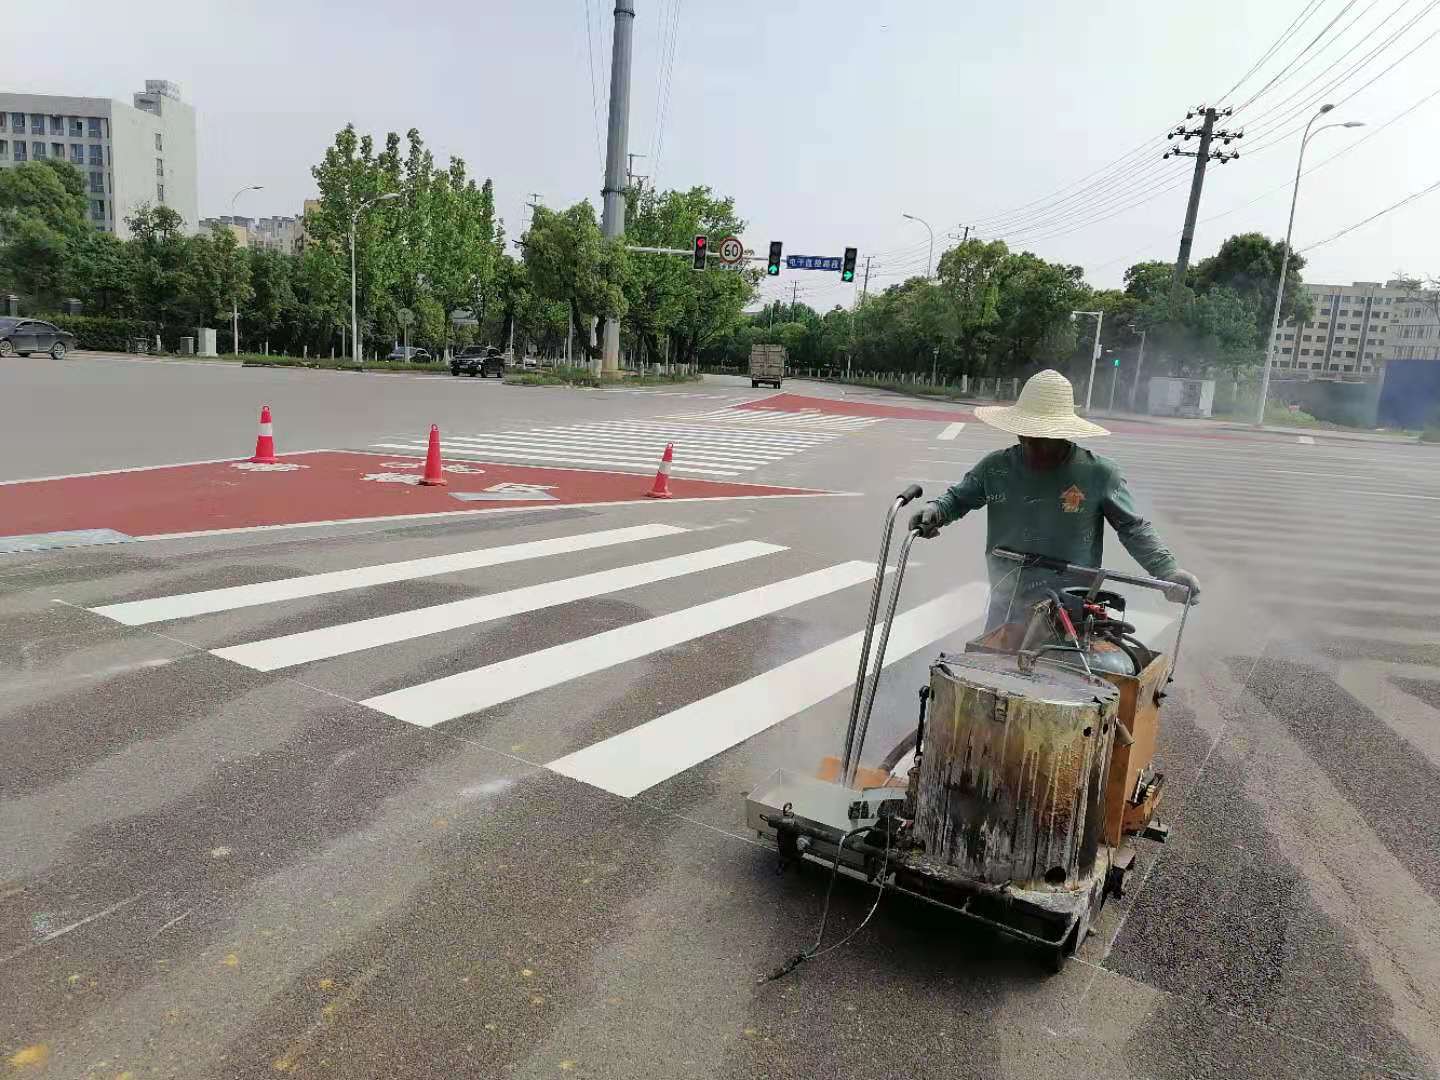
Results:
<point x="482" y="454"/>
<point x="282" y="652"/>
<point x="434" y="702"/>
<point x="1305" y="440"/>
<point x="184" y="605"/>
<point x="951" y="430"/>
<point x="628" y="763"/>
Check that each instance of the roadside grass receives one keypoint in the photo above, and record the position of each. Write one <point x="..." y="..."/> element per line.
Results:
<point x="584" y="377"/>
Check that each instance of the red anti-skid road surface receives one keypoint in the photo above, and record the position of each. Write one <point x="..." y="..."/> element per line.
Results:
<point x="799" y="403"/>
<point x="329" y="487"/>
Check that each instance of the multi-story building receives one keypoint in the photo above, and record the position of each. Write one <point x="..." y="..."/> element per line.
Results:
<point x="129" y="155"/>
<point x="285" y="234"/>
<point x="1354" y="330"/>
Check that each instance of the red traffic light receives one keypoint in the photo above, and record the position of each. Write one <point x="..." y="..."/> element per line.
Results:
<point x="699" y="253"/>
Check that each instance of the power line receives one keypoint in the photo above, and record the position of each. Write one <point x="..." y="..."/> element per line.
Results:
<point x="1325" y="161"/>
<point x="594" y="97"/>
<point x="1313" y="41"/>
<point x="669" y="81"/>
<point x="1351" y="228"/>
<point x="1295" y="23"/>
<point x="1303" y="106"/>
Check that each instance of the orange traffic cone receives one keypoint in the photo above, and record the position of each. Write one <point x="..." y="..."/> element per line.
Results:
<point x="265" y="441"/>
<point x="432" y="477"/>
<point x="661" y="487"/>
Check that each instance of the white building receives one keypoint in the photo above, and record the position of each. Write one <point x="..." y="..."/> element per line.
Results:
<point x="1352" y="333"/>
<point x="129" y="155"/>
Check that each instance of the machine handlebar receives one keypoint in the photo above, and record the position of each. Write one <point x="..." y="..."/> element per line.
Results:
<point x="910" y="494"/>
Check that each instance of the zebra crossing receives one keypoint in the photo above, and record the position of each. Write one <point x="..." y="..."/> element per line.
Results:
<point x="723" y="443"/>
<point x="657" y="747"/>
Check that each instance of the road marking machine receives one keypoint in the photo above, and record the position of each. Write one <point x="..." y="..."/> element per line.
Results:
<point x="1015" y="800"/>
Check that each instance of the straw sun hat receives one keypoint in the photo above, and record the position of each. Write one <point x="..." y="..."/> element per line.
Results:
<point x="1046" y="410"/>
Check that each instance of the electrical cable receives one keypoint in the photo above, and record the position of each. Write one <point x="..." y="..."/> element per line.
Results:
<point x="1276" y="107"/>
<point x="815" y="952"/>
<point x="1313" y="41"/>
<point x="1289" y="31"/>
<point x="1379" y="214"/>
<point x="594" y="97"/>
<point x="669" y="82"/>
<point x="1325" y="161"/>
<point x="1269" y="127"/>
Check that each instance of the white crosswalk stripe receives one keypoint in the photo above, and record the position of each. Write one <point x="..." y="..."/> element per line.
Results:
<point x="799" y="420"/>
<point x="434" y="702"/>
<point x="312" y="645"/>
<point x="702" y="448"/>
<point x="183" y="605"/>
<point x="646" y="755"/>
<point x="657" y="748"/>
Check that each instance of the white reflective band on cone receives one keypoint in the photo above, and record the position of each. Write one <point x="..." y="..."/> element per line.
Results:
<point x="267" y="429"/>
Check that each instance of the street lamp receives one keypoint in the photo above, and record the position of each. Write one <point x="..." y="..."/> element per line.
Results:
<point x="234" y="302"/>
<point x="354" y="311"/>
<point x="930" y="260"/>
<point x="1285" y="257"/>
<point x="1099" y="317"/>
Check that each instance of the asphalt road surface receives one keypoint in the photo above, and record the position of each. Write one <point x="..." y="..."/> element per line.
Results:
<point x="319" y="825"/>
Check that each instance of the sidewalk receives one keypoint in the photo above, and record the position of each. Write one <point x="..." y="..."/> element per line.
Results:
<point x="1210" y="424"/>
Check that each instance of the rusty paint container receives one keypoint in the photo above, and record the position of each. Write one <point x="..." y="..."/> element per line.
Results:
<point x="1011" y="785"/>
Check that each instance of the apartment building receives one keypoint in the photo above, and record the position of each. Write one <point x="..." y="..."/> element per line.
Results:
<point x="285" y="234"/>
<point x="129" y="155"/>
<point x="1353" y="331"/>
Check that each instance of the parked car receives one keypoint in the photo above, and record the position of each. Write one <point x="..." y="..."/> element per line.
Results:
<point x="24" y="336"/>
<point x="411" y="353"/>
<point x="482" y="360"/>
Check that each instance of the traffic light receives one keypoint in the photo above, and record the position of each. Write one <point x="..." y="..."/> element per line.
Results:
<point x="701" y="247"/>
<point x="847" y="271"/>
<point x="1117" y="361"/>
<point x="773" y="266"/>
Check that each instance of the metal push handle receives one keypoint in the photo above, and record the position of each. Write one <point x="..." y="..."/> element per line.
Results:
<point x="910" y="494"/>
<point x="1099" y="575"/>
<point x="849" y="767"/>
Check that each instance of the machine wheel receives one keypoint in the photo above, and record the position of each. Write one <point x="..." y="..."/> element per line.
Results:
<point x="7" y="348"/>
<point x="754" y="384"/>
<point x="58" y="350"/>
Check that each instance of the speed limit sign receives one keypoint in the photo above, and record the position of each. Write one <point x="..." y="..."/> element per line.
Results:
<point x="731" y="250"/>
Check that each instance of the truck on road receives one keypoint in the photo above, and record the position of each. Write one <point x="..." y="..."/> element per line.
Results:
<point x="767" y="365"/>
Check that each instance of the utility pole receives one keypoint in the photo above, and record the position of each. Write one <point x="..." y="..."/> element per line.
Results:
<point x="865" y="286"/>
<point x="612" y="219"/>
<point x="1203" y="156"/>
<point x="1140" y="363"/>
<point x="794" y="296"/>
<point x="631" y="176"/>
<point x="532" y="204"/>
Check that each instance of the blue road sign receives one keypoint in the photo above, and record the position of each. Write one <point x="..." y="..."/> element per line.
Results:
<point x="812" y="262"/>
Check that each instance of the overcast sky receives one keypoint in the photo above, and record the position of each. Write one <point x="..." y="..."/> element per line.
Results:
<point x="826" y="119"/>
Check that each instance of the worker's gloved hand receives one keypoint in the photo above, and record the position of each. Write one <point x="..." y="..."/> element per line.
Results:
<point x="1182" y="578"/>
<point x="927" y="521"/>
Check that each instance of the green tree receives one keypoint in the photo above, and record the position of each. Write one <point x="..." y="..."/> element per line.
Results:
<point x="42" y="209"/>
<point x="217" y="277"/>
<point x="99" y="269"/>
<point x="567" y="260"/>
<point x="1249" y="266"/>
<point x="163" y="282"/>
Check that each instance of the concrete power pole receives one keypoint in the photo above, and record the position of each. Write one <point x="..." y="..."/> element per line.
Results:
<point x="1206" y="133"/>
<point x="865" y="285"/>
<point x="612" y="220"/>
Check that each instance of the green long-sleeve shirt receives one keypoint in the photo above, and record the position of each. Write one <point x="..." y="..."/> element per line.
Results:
<point x="1058" y="512"/>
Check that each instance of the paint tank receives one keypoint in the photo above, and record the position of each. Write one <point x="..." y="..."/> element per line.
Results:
<point x="1011" y="782"/>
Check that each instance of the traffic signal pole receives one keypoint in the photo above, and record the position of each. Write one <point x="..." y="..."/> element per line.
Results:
<point x="612" y="220"/>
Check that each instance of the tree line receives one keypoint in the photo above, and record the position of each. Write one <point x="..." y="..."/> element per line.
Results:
<point x="434" y="248"/>
<point x="433" y="264"/>
<point x="989" y="311"/>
